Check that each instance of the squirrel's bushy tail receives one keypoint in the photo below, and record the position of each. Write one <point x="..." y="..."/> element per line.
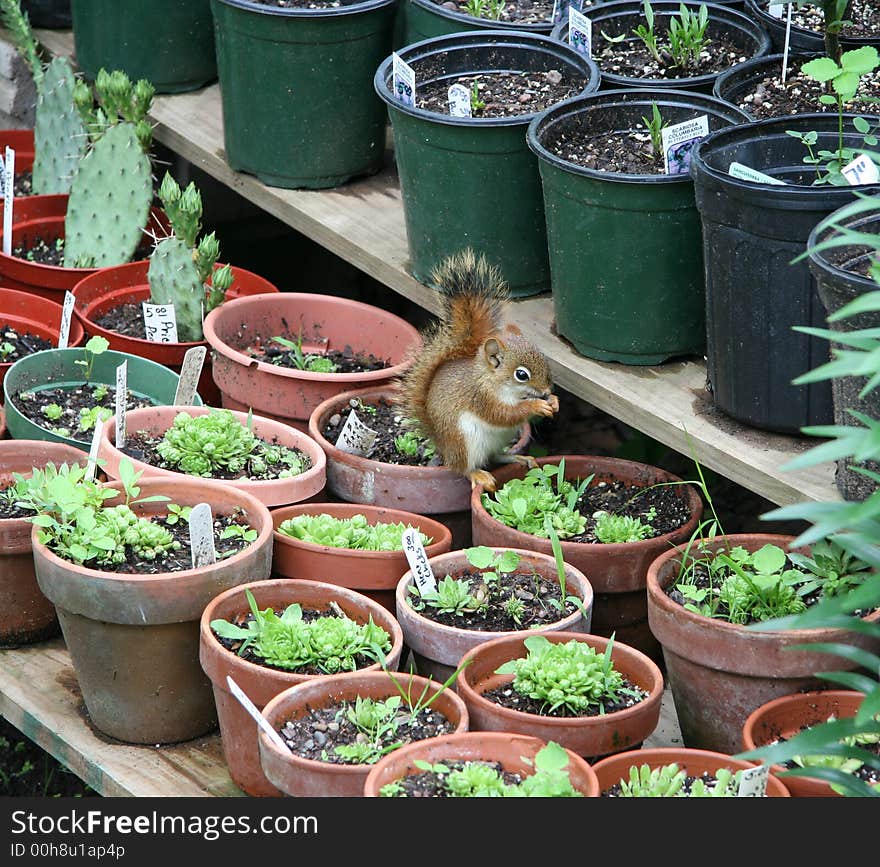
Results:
<point x="473" y="296"/>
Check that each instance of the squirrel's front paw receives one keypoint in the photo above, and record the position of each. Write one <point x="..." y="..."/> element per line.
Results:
<point x="544" y="407"/>
<point x="553" y="400"/>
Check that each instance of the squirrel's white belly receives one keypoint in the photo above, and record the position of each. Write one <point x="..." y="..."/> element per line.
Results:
<point x="484" y="441"/>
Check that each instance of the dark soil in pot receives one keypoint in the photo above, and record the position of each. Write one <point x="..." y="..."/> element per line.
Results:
<point x="863" y="19"/>
<point x="50" y="251"/>
<point x="708" y="780"/>
<point x="23" y="184"/>
<point x="507" y="696"/>
<point x="428" y="784"/>
<point x="513" y="11"/>
<point x="22" y="343"/>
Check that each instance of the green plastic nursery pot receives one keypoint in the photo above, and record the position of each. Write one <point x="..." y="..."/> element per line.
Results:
<point x="625" y="249"/>
<point x="427" y="18"/>
<point x="473" y="181"/>
<point x="169" y="43"/>
<point x="54" y="367"/>
<point x="298" y="111"/>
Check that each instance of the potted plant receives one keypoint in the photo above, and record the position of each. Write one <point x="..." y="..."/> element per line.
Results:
<point x="425" y="19"/>
<point x="675" y="772"/>
<point x="28" y="616"/>
<point x="350" y="544"/>
<point x="646" y="510"/>
<point x="57" y="394"/>
<point x="481" y="593"/>
<point x="784" y="717"/>
<point x="481" y="764"/>
<point x="606" y="178"/>
<point x="115" y="561"/>
<point x="275" y="462"/>
<point x="471" y="180"/>
<point x="335" y="729"/>
<point x="400" y="470"/>
<point x="592" y="695"/>
<point x="263" y="667"/>
<point x="164" y="41"/>
<point x="666" y="44"/>
<point x="327" y="345"/>
<point x="28" y="325"/>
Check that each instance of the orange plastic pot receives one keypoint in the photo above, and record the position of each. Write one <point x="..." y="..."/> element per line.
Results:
<point x="786" y="716"/>
<point x="373" y="573"/>
<point x="612" y="769"/>
<point x="515" y="754"/>
<point x="260" y="684"/>
<point x="588" y="736"/>
<point x="109" y="288"/>
<point x="292" y="395"/>
<point x="156" y="420"/>
<point x="618" y="572"/>
<point x="31" y="315"/>
<point x="134" y="639"/>
<point x="300" y="777"/>
<point x="28" y="616"/>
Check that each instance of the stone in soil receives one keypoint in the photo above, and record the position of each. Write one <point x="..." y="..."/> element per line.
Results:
<point x="41" y="251"/>
<point x="863" y="19"/>
<point x="623" y="152"/>
<point x="15" y="344"/>
<point x="23" y="185"/>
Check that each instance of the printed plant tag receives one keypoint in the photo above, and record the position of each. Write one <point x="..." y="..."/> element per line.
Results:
<point x="459" y="98"/>
<point x="753" y="782"/>
<point x="121" y="395"/>
<point x="92" y="461"/>
<point x="355" y="437"/>
<point x="862" y="170"/>
<point x="160" y="323"/>
<point x="258" y="718"/>
<point x="678" y="142"/>
<point x="201" y="536"/>
<point x="776" y="10"/>
<point x="66" y="317"/>
<point x="417" y="558"/>
<point x="403" y="80"/>
<point x="190" y="371"/>
<point x="744" y="173"/>
<point x="8" y="199"/>
<point x="580" y="32"/>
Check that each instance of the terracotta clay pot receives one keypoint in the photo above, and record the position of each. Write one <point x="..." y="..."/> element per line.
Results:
<point x="588" y="736"/>
<point x="43" y="217"/>
<point x="437" y="491"/>
<point x="31" y="315"/>
<point x="109" y="288"/>
<point x="373" y="573"/>
<point x="786" y="716"/>
<point x="3" y="431"/>
<point x="438" y="649"/>
<point x="720" y="672"/>
<point x="28" y="616"/>
<point x="134" y="639"/>
<point x="612" y="769"/>
<point x="616" y="571"/>
<point x="156" y="420"/>
<point x="300" y="777"/>
<point x="260" y="683"/>
<point x="515" y="754"/>
<point x="292" y="395"/>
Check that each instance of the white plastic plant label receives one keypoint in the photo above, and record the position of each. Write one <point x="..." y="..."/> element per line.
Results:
<point x="121" y="401"/>
<point x="355" y="437"/>
<point x="8" y="199"/>
<point x="776" y="10"/>
<point x="201" y="536"/>
<point x="92" y="461"/>
<point x="678" y="142"/>
<point x="580" y="32"/>
<point x="160" y="323"/>
<point x="744" y="173"/>
<point x="403" y="80"/>
<point x="459" y="99"/>
<point x="862" y="170"/>
<point x="753" y="782"/>
<point x="252" y="709"/>
<point x="66" y="317"/>
<point x="417" y="558"/>
<point x="190" y="371"/>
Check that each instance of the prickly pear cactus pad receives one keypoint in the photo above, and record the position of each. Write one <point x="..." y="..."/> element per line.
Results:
<point x="60" y="137"/>
<point x="109" y="201"/>
<point x="174" y="279"/>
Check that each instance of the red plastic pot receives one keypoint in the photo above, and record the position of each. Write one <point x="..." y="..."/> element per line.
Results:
<point x="32" y="315"/>
<point x="109" y="288"/>
<point x="22" y="142"/>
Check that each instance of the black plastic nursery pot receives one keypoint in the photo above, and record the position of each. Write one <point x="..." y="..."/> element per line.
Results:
<point x="169" y="43"/>
<point x="298" y="109"/>
<point x="51" y="14"/>
<point x="425" y="19"/>
<point x="841" y="275"/>
<point x="626" y="254"/>
<point x="621" y="17"/>
<point x="472" y="181"/>
<point x="754" y="293"/>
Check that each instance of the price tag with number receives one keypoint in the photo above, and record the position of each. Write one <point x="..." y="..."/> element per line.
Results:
<point x="355" y="437"/>
<point x="459" y="99"/>
<point x="403" y="80"/>
<point x="160" y="323"/>
<point x="417" y="557"/>
<point x="753" y="782"/>
<point x="862" y="170"/>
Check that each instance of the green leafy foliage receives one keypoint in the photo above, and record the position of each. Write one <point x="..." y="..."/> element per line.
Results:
<point x="668" y="781"/>
<point x="621" y="528"/>
<point x="95" y="346"/>
<point x="491" y="9"/>
<point x="655" y="125"/>
<point x="413" y="445"/>
<point x="686" y="36"/>
<point x="355" y="533"/>
<point x="310" y="361"/>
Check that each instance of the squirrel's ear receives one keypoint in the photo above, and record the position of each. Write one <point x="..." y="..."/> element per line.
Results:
<point x="494" y="350"/>
<point x="513" y="329"/>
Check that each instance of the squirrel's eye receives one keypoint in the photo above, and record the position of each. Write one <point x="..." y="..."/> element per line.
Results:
<point x="522" y="374"/>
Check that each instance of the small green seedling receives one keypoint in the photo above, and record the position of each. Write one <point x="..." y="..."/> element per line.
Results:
<point x="655" y="130"/>
<point x="96" y="346"/>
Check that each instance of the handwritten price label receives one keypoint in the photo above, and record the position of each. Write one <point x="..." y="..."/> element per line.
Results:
<point x="862" y="170"/>
<point x="753" y="782"/>
<point x="160" y="323"/>
<point x="417" y="558"/>
<point x="355" y="437"/>
<point x="66" y="317"/>
<point x="459" y="99"/>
